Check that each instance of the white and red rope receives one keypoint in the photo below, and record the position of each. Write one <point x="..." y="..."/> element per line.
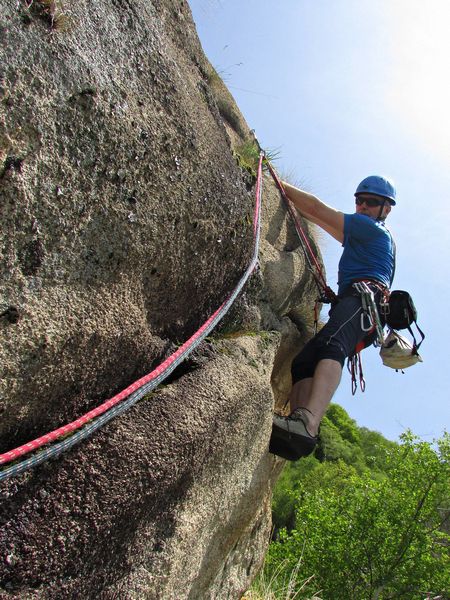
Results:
<point x="85" y="425"/>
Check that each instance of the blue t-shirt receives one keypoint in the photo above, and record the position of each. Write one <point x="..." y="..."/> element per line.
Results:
<point x="368" y="251"/>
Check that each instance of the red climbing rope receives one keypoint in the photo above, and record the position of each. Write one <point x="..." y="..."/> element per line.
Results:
<point x="164" y="369"/>
<point x="326" y="293"/>
<point x="139" y="388"/>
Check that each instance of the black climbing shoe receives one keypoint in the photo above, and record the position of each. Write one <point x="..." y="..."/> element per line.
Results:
<point x="290" y="439"/>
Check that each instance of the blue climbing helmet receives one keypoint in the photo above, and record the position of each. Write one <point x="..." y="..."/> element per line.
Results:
<point x="380" y="186"/>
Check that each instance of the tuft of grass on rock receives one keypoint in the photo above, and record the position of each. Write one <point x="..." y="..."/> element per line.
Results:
<point x="247" y="155"/>
<point x="212" y="77"/>
<point x="281" y="585"/>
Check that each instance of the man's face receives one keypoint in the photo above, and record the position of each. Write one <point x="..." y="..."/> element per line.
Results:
<point x="372" y="211"/>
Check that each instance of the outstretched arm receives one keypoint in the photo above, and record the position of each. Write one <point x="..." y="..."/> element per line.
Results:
<point x="313" y="209"/>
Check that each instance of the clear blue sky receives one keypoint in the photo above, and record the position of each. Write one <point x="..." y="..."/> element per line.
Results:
<point x="345" y="89"/>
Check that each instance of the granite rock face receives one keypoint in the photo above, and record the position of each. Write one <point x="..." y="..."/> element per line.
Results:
<point x="126" y="220"/>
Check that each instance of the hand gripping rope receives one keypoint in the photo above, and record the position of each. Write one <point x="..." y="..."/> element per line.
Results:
<point x="85" y="425"/>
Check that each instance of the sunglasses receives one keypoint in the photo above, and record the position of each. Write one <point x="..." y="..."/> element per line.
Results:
<point x="371" y="202"/>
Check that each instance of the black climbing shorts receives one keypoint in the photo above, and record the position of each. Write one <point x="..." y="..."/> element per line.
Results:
<point x="338" y="339"/>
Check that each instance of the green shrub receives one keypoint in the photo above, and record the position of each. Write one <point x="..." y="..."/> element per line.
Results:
<point x="373" y="539"/>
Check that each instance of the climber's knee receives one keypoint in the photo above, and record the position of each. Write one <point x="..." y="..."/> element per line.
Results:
<point x="304" y="363"/>
<point x="301" y="370"/>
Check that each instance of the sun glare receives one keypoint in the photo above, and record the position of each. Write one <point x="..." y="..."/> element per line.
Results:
<point x="419" y="89"/>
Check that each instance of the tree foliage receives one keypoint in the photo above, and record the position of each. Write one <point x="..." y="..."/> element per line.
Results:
<point x="347" y="426"/>
<point x="372" y="538"/>
<point x="340" y="439"/>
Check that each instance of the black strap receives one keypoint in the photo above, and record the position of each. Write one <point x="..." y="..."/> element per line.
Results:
<point x="416" y="345"/>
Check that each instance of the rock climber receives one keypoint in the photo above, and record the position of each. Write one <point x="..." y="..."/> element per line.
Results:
<point x="369" y="256"/>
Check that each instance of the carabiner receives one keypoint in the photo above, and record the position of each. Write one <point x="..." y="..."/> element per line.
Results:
<point x="369" y="320"/>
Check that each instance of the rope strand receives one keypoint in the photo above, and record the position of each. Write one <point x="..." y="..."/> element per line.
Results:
<point x="326" y="294"/>
<point x="96" y="418"/>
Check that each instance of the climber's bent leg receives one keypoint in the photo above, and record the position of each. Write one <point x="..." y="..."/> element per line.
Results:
<point x="326" y="380"/>
<point x="316" y="373"/>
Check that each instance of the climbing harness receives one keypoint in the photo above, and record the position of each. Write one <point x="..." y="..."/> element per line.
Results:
<point x="87" y="424"/>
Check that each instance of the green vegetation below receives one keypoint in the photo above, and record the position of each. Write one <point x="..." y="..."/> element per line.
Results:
<point x="364" y="518"/>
